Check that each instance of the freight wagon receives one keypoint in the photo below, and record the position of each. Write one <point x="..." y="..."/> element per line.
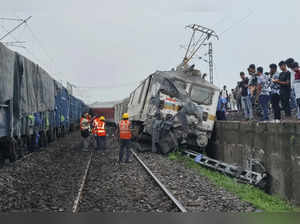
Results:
<point x="108" y="113"/>
<point x="34" y="108"/>
<point x="105" y="109"/>
<point x="120" y="109"/>
<point x="175" y="108"/>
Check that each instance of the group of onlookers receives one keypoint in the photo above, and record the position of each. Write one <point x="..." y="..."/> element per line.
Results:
<point x="228" y="101"/>
<point x="260" y="93"/>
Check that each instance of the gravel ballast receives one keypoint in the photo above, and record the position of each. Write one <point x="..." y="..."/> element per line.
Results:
<point x="195" y="191"/>
<point x="45" y="181"/>
<point x="111" y="187"/>
<point x="48" y="181"/>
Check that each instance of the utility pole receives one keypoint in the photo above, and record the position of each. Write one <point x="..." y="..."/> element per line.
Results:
<point x="200" y="36"/>
<point x="211" y="63"/>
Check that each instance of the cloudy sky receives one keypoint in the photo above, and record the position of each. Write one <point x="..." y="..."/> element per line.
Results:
<point x="106" y="47"/>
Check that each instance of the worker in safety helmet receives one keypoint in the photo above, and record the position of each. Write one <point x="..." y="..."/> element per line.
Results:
<point x="100" y="133"/>
<point x="125" y="137"/>
<point x="85" y="130"/>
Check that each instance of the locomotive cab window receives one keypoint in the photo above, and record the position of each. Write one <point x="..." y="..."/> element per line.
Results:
<point x="180" y="84"/>
<point x="202" y="95"/>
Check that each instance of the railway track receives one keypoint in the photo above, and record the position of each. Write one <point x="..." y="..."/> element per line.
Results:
<point x="88" y="198"/>
<point x="92" y="182"/>
<point x="82" y="183"/>
<point x="95" y="182"/>
<point x="160" y="184"/>
<point x="195" y="192"/>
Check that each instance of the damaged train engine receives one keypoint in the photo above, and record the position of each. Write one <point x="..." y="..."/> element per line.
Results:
<point x="176" y="108"/>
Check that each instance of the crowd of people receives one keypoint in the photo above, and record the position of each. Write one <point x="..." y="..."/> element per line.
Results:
<point x="264" y="93"/>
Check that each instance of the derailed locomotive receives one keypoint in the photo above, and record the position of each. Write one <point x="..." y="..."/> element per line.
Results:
<point x="176" y="108"/>
<point x="34" y="108"/>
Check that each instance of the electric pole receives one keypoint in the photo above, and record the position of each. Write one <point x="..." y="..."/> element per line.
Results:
<point x="211" y="63"/>
<point x="200" y="36"/>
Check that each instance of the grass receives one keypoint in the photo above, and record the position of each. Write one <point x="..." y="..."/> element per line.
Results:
<point x="248" y="193"/>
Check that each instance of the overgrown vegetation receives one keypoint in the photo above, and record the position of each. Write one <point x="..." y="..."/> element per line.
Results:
<point x="248" y="193"/>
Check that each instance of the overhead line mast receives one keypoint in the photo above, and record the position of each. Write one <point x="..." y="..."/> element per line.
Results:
<point x="195" y="43"/>
<point x="211" y="63"/>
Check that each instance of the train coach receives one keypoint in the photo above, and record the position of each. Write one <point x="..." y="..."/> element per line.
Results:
<point x="176" y="108"/>
<point x="35" y="109"/>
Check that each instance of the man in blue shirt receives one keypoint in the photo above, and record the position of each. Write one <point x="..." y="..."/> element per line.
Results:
<point x="245" y="97"/>
<point x="221" y="109"/>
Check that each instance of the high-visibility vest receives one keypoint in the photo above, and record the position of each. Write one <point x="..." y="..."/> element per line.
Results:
<point x="84" y="123"/>
<point x="125" y="132"/>
<point x="99" y="127"/>
<point x="47" y="123"/>
<point x="31" y="120"/>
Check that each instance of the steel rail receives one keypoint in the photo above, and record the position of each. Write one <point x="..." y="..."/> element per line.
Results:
<point x="79" y="195"/>
<point x="166" y="191"/>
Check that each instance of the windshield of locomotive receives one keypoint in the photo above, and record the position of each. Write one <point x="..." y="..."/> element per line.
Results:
<point x="180" y="84"/>
<point x="202" y="95"/>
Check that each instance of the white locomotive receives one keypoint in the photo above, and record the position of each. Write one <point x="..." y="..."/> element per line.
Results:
<point x="177" y="107"/>
<point x="178" y="104"/>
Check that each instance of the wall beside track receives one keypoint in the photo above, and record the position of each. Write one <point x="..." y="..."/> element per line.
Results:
<point x="277" y="146"/>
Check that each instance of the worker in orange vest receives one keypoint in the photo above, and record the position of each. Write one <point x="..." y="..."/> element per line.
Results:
<point x="125" y="137"/>
<point x="100" y="133"/>
<point x="85" y="130"/>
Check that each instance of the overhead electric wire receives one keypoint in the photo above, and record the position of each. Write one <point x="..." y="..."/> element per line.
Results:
<point x="25" y="48"/>
<point x="14" y="42"/>
<point x="6" y="30"/>
<point x="41" y="46"/>
<point x="19" y="46"/>
<point x="12" y="19"/>
<point x="16" y="27"/>
<point x="220" y="21"/>
<point x="107" y="87"/>
<point x="237" y="23"/>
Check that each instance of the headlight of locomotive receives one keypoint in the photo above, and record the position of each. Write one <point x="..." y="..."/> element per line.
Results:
<point x="202" y="140"/>
<point x="205" y="116"/>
